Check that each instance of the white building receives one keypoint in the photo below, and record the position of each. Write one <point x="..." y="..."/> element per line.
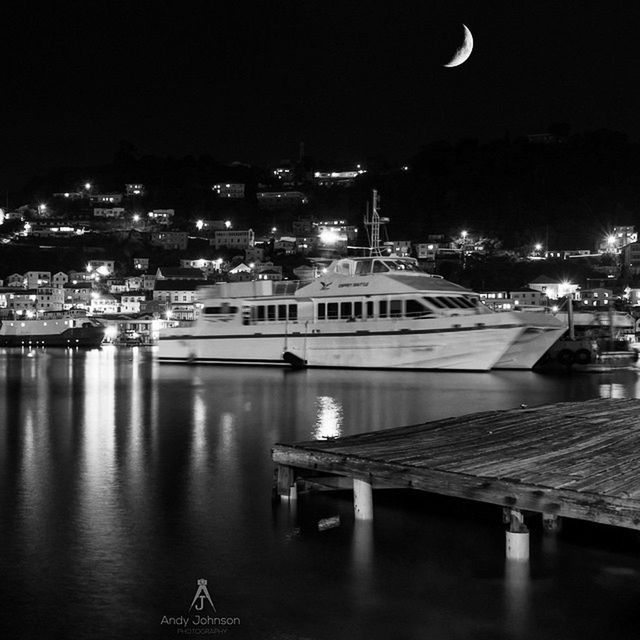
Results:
<point x="234" y="238"/>
<point x="59" y="279"/>
<point x="103" y="267"/>
<point x="161" y="216"/>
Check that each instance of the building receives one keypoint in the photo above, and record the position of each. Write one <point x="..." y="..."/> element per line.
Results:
<point x="553" y="288"/>
<point x="527" y="297"/>
<point x="599" y="298"/>
<point x="106" y="198"/>
<point x="141" y="264"/>
<point x="234" y="190"/>
<point x="619" y="237"/>
<point x="496" y="300"/>
<point x="170" y="240"/>
<point x="176" y="291"/>
<point x="22" y="301"/>
<point x="234" y="238"/>
<point x="161" y="216"/>
<point x="77" y="295"/>
<point x="178" y="273"/>
<point x="111" y="212"/>
<point x="133" y="189"/>
<point x="59" y="279"/>
<point x="34" y="279"/>
<point x="49" y="299"/>
<point x="280" y="199"/>
<point x="398" y="247"/>
<point x="336" y="178"/>
<point x="101" y="267"/>
<point x="631" y="258"/>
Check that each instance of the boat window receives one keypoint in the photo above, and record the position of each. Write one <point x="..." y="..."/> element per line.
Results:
<point x="382" y="309"/>
<point x="435" y="302"/>
<point x="282" y="312"/>
<point x="271" y="312"/>
<point x="345" y="310"/>
<point x="260" y="314"/>
<point x="457" y="302"/>
<point x="379" y="267"/>
<point x="465" y="302"/>
<point x="357" y="309"/>
<point x="293" y="312"/>
<point x="332" y="311"/>
<point x="322" y="313"/>
<point x="447" y="302"/>
<point x="396" y="309"/>
<point x="415" y="308"/>
<point x="370" y="312"/>
<point x="224" y="309"/>
<point x="363" y="267"/>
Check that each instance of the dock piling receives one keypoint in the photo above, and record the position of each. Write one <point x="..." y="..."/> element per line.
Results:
<point x="517" y="537"/>
<point x="362" y="500"/>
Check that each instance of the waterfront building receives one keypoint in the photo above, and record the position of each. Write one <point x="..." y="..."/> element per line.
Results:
<point x="49" y="299"/>
<point x="526" y="297"/>
<point x="177" y="291"/>
<point x="599" y="298"/>
<point x="77" y="294"/>
<point x="553" y="288"/>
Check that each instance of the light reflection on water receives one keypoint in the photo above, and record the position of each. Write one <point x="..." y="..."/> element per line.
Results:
<point x="123" y="482"/>
<point x="329" y="420"/>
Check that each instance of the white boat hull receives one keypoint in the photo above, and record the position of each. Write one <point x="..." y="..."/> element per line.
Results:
<point x="468" y="347"/>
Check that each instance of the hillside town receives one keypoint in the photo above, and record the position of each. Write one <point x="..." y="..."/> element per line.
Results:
<point x="138" y="268"/>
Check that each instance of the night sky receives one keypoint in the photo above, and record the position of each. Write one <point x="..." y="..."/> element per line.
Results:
<point x="244" y="82"/>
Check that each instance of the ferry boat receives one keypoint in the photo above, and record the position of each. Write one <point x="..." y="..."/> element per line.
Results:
<point x="51" y="329"/>
<point x="372" y="312"/>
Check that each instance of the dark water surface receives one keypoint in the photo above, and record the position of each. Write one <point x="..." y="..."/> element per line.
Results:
<point x="122" y="482"/>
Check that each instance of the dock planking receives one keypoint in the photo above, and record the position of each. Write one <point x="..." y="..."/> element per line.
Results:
<point x="572" y="459"/>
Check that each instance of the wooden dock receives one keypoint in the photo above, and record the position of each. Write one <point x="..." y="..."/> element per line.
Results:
<point x="573" y="459"/>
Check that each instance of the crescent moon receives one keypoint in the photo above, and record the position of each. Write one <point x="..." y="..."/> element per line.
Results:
<point x="463" y="51"/>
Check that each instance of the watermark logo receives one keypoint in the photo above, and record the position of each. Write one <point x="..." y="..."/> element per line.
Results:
<point x="200" y="620"/>
<point x="202" y="594"/>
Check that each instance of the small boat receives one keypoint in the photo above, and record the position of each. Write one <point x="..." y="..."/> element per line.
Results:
<point x="51" y="329"/>
<point x="593" y="342"/>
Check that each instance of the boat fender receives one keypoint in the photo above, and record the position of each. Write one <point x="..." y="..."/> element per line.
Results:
<point x="565" y="357"/>
<point x="634" y="356"/>
<point x="582" y="356"/>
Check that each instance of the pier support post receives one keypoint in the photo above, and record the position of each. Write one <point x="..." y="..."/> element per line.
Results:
<point x="362" y="500"/>
<point x="285" y="482"/>
<point x="550" y="523"/>
<point x="517" y="537"/>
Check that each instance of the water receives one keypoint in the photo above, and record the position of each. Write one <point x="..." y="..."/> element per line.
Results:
<point x="123" y="482"/>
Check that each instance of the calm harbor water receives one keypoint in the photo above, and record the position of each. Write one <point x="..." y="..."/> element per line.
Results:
<point x="123" y="482"/>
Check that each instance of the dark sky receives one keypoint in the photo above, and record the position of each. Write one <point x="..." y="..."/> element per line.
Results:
<point x="242" y="81"/>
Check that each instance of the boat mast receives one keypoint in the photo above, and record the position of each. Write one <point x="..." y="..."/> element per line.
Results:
<point x="374" y="222"/>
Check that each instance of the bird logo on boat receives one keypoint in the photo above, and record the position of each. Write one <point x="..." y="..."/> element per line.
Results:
<point x="325" y="285"/>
